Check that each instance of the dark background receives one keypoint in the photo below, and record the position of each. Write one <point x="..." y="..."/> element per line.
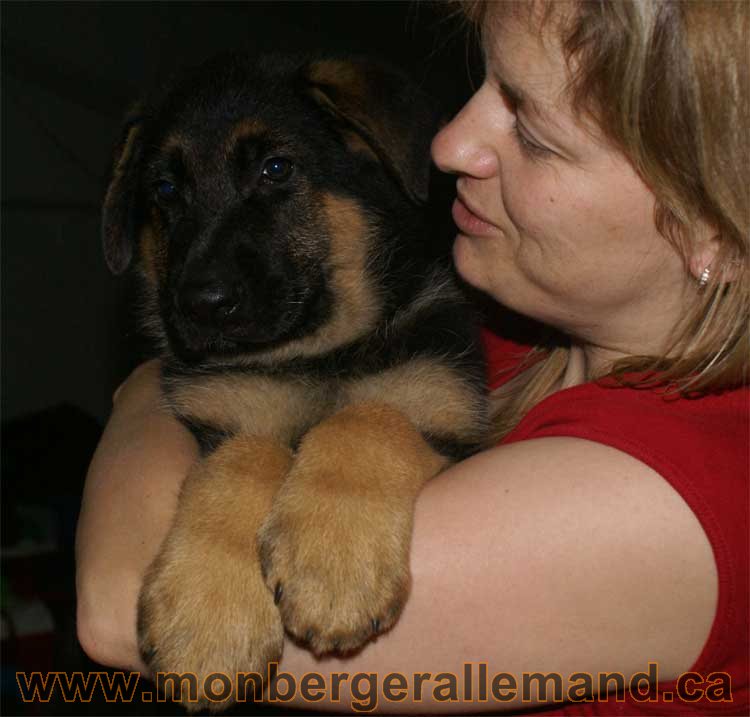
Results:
<point x="69" y="72"/>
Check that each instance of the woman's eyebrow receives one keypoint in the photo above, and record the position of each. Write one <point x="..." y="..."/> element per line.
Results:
<point x="521" y="100"/>
<point x="515" y="95"/>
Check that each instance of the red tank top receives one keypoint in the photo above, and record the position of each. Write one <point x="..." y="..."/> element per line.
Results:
<point x="702" y="448"/>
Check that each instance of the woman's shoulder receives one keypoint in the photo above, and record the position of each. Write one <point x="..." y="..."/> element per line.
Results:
<point x="704" y="440"/>
<point x="700" y="446"/>
<point x="690" y="454"/>
<point x="707" y="435"/>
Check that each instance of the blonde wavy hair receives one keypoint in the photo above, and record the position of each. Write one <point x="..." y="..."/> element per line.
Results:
<point x="667" y="81"/>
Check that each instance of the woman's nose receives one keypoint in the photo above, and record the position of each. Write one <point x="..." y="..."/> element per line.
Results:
<point x="464" y="145"/>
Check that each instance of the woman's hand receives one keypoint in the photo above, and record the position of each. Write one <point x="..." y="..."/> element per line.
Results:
<point x="128" y="504"/>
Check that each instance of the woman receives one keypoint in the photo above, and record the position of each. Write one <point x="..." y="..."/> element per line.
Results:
<point x="602" y="190"/>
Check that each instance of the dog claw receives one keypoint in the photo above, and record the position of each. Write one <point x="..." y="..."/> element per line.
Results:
<point x="148" y="654"/>
<point x="278" y="593"/>
<point x="375" y="625"/>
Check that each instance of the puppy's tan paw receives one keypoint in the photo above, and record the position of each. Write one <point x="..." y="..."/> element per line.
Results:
<point x="204" y="607"/>
<point x="335" y="548"/>
<point x="202" y="613"/>
<point x="339" y="571"/>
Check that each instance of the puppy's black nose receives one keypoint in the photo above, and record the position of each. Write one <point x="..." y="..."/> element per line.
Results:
<point x="209" y="303"/>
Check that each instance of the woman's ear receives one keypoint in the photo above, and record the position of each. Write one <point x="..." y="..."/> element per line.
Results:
<point x="709" y="260"/>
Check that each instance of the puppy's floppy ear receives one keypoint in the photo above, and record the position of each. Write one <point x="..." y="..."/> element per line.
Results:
<point x="394" y="117"/>
<point x="118" y="210"/>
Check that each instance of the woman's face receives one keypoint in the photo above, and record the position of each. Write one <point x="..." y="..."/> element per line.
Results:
<point x="553" y="222"/>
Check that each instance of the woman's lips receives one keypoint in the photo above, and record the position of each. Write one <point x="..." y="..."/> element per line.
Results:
<point x="468" y="222"/>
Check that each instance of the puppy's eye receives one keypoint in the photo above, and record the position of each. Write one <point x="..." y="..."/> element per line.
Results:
<point x="165" y="191"/>
<point x="277" y="169"/>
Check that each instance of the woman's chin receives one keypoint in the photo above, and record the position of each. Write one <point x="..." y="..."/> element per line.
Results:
<point x="480" y="265"/>
<point x="468" y="262"/>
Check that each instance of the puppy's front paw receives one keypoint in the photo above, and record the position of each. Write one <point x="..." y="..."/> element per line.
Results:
<point x="335" y="548"/>
<point x="200" y="612"/>
<point x="338" y="568"/>
<point x="204" y="607"/>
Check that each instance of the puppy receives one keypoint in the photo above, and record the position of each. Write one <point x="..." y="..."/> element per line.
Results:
<point x="312" y="337"/>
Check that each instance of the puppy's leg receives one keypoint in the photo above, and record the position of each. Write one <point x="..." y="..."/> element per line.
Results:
<point x="204" y="606"/>
<point x="335" y="547"/>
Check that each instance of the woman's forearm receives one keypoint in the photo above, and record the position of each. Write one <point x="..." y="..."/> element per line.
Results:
<point x="128" y="503"/>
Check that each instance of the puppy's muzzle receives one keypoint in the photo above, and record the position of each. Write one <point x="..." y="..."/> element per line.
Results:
<point x="210" y="302"/>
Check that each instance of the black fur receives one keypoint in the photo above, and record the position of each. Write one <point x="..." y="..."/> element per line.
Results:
<point x="248" y="261"/>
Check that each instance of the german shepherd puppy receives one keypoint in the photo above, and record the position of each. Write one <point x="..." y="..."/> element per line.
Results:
<point x="312" y="337"/>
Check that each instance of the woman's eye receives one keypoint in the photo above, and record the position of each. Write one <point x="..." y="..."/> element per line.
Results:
<point x="528" y="146"/>
<point x="165" y="191"/>
<point x="277" y="169"/>
<point x="512" y="102"/>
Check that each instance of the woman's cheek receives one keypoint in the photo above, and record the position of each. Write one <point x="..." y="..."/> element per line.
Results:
<point x="520" y="208"/>
<point x="522" y="183"/>
<point x="537" y="204"/>
<point x="539" y="221"/>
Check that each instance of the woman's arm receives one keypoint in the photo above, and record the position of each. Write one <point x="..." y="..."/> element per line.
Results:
<point x="554" y="555"/>
<point x="129" y="499"/>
